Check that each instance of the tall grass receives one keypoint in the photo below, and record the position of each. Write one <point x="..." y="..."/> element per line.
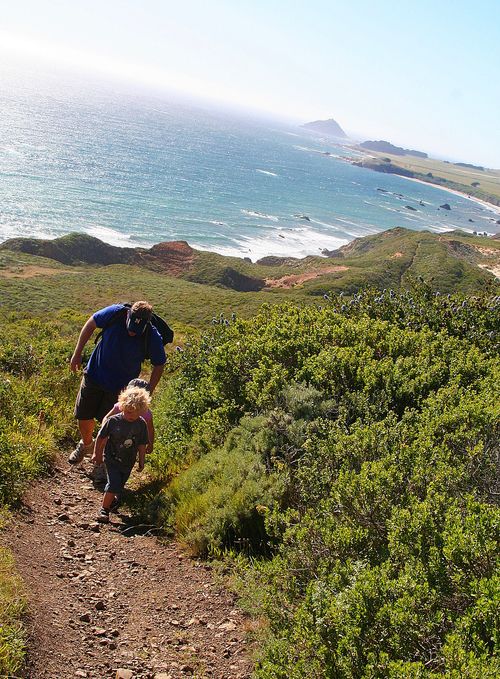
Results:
<point x="12" y="607"/>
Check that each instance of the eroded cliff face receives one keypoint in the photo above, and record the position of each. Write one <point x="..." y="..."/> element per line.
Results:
<point x="172" y="257"/>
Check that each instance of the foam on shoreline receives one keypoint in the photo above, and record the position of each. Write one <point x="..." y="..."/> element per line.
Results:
<point x="297" y="243"/>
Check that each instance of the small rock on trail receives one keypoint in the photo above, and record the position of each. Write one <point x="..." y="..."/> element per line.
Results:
<point x="101" y="600"/>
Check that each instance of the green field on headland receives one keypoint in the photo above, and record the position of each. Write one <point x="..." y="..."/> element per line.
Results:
<point x="331" y="434"/>
<point x="478" y="183"/>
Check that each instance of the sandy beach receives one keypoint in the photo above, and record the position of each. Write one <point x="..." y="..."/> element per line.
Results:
<point x="484" y="203"/>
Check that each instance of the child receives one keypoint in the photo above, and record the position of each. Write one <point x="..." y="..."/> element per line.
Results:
<point x="120" y="438"/>
<point x="147" y="416"/>
<point x="99" y="472"/>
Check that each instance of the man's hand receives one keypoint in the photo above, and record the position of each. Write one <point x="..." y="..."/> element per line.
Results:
<point x="75" y="362"/>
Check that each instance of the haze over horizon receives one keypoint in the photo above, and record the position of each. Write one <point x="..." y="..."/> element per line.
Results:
<point x="418" y="76"/>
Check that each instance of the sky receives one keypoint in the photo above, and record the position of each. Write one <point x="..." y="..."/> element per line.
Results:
<point x="421" y="74"/>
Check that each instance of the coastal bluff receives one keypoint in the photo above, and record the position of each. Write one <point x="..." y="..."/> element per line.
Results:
<point x="382" y="146"/>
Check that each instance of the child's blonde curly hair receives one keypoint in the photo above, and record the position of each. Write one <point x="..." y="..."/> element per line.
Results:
<point x="134" y="399"/>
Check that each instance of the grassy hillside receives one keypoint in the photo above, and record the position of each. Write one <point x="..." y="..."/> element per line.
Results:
<point x="208" y="284"/>
<point x="86" y="288"/>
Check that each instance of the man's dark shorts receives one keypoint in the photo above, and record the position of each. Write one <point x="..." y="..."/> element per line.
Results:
<point x="92" y="401"/>
<point x="117" y="476"/>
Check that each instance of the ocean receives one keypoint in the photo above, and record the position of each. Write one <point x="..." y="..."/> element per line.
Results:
<point x="135" y="169"/>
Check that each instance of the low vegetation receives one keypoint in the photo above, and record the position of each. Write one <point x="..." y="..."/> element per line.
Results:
<point x="351" y="451"/>
<point x="12" y="605"/>
<point x="36" y="392"/>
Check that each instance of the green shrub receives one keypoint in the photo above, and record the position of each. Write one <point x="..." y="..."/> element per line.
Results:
<point x="221" y="499"/>
<point x="361" y="461"/>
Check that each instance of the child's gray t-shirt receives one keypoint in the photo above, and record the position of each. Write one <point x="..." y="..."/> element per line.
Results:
<point x="124" y="438"/>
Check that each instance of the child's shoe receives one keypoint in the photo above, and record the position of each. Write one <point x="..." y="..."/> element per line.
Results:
<point x="103" y="515"/>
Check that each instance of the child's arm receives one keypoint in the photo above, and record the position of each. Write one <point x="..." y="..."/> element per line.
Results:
<point x="100" y="444"/>
<point x="114" y="411"/>
<point x="142" y="456"/>
<point x="151" y="435"/>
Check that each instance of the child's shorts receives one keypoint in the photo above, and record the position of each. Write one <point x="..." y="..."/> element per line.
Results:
<point x="117" y="476"/>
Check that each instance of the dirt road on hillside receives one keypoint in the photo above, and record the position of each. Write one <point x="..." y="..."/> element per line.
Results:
<point x="104" y="597"/>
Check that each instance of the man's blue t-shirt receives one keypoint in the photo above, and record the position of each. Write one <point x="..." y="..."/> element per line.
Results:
<point x="118" y="357"/>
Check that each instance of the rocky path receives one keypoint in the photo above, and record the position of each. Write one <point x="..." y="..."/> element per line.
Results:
<point x="103" y="599"/>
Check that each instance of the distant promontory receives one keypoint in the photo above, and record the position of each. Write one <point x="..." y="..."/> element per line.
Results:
<point x="386" y="147"/>
<point x="329" y="127"/>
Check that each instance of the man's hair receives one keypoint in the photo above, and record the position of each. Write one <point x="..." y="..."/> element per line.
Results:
<point x="142" y="310"/>
<point x="135" y="399"/>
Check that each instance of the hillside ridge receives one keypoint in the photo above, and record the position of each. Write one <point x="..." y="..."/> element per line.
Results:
<point x="455" y="260"/>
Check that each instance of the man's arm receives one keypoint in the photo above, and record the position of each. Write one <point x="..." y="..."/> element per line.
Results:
<point x="85" y="335"/>
<point x="156" y="373"/>
<point x="100" y="444"/>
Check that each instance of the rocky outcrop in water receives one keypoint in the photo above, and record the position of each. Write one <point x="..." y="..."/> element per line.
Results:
<point x="329" y="127"/>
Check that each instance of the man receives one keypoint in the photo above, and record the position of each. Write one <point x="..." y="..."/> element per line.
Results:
<point x="116" y="360"/>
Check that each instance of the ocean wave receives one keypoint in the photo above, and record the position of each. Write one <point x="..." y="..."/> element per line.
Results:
<point x="271" y="174"/>
<point x="281" y="243"/>
<point x="260" y="215"/>
<point x="111" y="236"/>
<point x="16" y="230"/>
<point x="10" y="150"/>
<point x="320" y="152"/>
<point x="307" y="149"/>
<point x="339" y="225"/>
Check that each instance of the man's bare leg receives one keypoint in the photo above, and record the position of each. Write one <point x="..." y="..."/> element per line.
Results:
<point x="84" y="447"/>
<point x="86" y="428"/>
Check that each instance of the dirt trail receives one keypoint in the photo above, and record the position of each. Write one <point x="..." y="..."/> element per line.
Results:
<point x="102" y="598"/>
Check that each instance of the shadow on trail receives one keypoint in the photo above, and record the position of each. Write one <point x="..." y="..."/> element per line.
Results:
<point x="146" y="507"/>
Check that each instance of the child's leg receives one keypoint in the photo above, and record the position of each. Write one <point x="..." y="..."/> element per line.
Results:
<point x="125" y="473"/>
<point x="113" y="488"/>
